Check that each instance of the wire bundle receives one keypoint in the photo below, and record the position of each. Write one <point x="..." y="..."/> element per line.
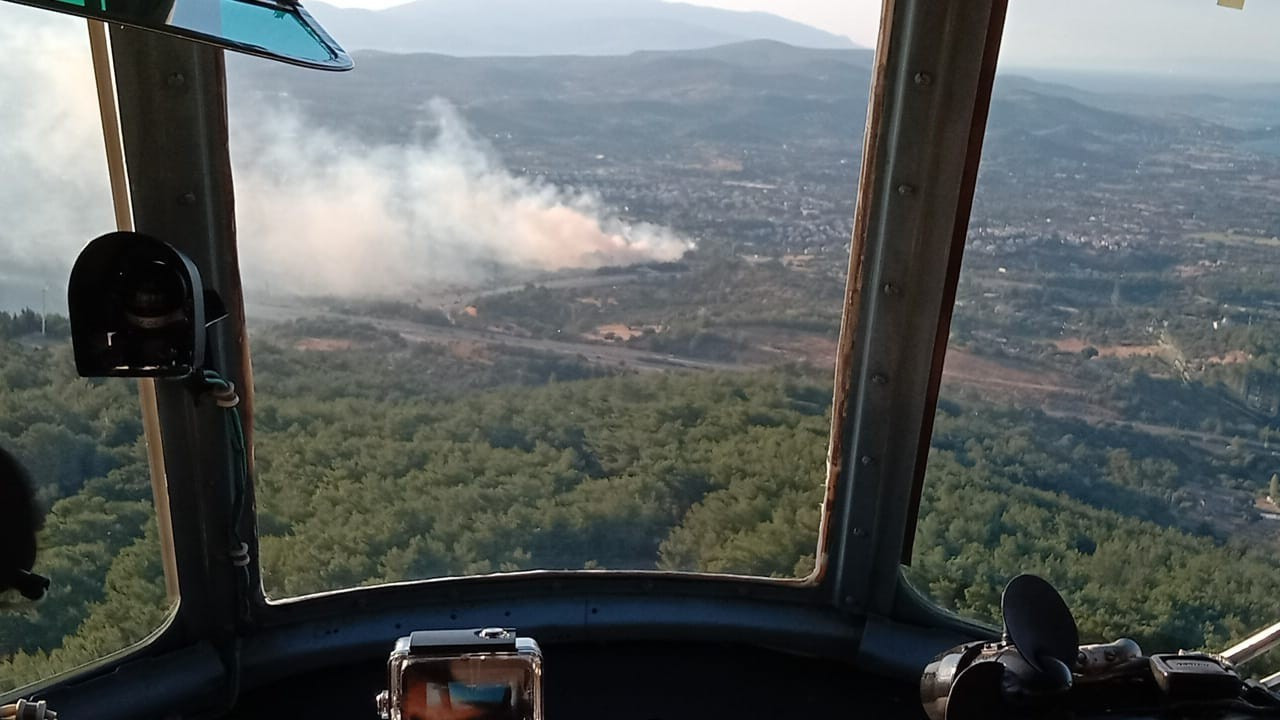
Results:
<point x="223" y="392"/>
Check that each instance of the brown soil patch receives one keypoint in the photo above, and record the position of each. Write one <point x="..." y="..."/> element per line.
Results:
<point x="798" y="262"/>
<point x="1071" y="345"/>
<point x="618" y="332"/>
<point x="723" y="164"/>
<point x="323" y="344"/>
<point x="968" y="369"/>
<point x="1021" y="383"/>
<point x="1075" y="345"/>
<point x="814" y="350"/>
<point x="469" y="351"/>
<point x="1235" y="357"/>
<point x="1128" y="351"/>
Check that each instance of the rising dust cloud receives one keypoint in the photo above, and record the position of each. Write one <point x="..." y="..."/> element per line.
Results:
<point x="317" y="212"/>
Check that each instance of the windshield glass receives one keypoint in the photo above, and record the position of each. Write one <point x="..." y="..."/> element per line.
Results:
<point x="1110" y="405"/>
<point x="558" y="287"/>
<point x="80" y="440"/>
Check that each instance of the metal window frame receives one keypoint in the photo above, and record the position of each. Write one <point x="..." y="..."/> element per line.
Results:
<point x="914" y="218"/>
<point x="931" y="88"/>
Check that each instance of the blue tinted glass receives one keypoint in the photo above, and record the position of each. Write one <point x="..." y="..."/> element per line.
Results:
<point x="281" y="33"/>
<point x="275" y="30"/>
<point x="262" y="27"/>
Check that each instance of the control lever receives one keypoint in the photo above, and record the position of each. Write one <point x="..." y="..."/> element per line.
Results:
<point x="1253" y="646"/>
<point x="1104" y="661"/>
<point x="1038" y="670"/>
<point x="27" y="710"/>
<point x="1039" y="625"/>
<point x="1029" y="668"/>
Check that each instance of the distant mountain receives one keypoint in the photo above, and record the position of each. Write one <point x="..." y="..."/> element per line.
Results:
<point x="761" y="95"/>
<point x="471" y="28"/>
<point x="1241" y="106"/>
<point x="758" y="93"/>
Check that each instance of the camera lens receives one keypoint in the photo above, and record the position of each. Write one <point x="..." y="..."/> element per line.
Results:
<point x="153" y="295"/>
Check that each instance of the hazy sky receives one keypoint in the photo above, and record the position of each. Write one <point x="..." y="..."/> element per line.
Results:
<point x="1145" y="36"/>
<point x="1193" y="37"/>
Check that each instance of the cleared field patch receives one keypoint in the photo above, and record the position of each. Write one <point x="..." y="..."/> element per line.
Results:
<point x="1235" y="238"/>
<point x="1075" y="345"/>
<point x="1030" y="382"/>
<point x="315" y="344"/>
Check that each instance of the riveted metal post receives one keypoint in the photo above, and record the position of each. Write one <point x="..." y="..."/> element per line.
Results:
<point x="915" y="195"/>
<point x="174" y="125"/>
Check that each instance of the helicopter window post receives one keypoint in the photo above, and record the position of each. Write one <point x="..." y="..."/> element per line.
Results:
<point x="1108" y="401"/>
<point x="113" y="142"/>
<point x="180" y="185"/>
<point x="913" y="204"/>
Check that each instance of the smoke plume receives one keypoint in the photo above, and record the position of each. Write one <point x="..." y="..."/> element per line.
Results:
<point x="359" y="217"/>
<point x="317" y="211"/>
<point x="54" y="191"/>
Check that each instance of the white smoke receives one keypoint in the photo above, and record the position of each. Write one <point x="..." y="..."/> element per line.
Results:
<point x="320" y="212"/>
<point x="317" y="212"/>
<point x="54" y="191"/>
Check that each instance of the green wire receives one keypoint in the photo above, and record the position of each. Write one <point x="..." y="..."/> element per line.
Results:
<point x="240" y="447"/>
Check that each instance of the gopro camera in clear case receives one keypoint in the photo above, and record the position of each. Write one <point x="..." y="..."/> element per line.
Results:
<point x="486" y="674"/>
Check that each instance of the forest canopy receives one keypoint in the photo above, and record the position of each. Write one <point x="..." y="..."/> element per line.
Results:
<point x="382" y="461"/>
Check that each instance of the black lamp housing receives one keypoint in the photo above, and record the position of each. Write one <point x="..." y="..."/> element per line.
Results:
<point x="137" y="309"/>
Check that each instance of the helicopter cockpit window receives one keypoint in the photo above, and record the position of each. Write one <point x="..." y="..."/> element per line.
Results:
<point x="80" y="441"/>
<point x="558" y="291"/>
<point x="1110" y="405"/>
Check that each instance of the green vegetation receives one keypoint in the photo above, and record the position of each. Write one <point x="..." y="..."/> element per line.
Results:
<point x="81" y="440"/>
<point x="381" y="459"/>
<point x="710" y="307"/>
<point x="1017" y="491"/>
<point x="678" y="472"/>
